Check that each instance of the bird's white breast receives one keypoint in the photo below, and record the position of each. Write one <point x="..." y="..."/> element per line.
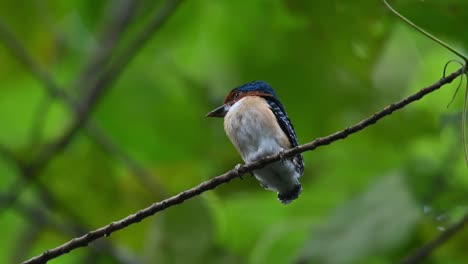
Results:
<point x="253" y="129"/>
<point x="255" y="132"/>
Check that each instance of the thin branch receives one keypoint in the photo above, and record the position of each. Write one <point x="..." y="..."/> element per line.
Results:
<point x="76" y="228"/>
<point x="111" y="35"/>
<point x="39" y="120"/>
<point x="18" y="50"/>
<point x="70" y="228"/>
<point x="84" y="108"/>
<point x="25" y="242"/>
<point x="7" y="200"/>
<point x="147" y="179"/>
<point x="41" y="218"/>
<point x="420" y="254"/>
<point x="105" y="80"/>
<point x="12" y="43"/>
<point x="93" y="130"/>
<point x="19" y="185"/>
<point x="232" y="174"/>
<point x="427" y="34"/>
<point x="121" y="19"/>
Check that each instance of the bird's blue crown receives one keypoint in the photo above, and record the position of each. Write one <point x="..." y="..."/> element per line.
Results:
<point x="257" y="86"/>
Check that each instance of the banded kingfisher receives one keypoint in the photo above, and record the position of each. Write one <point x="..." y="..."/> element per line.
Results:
<point x="257" y="125"/>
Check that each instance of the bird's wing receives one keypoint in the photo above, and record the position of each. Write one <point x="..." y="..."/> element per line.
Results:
<point x="288" y="128"/>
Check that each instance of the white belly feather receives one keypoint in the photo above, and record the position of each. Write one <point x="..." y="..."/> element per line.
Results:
<point x="254" y="131"/>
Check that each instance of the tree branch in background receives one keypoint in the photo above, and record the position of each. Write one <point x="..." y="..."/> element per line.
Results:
<point x="234" y="173"/>
<point x="41" y="218"/>
<point x="105" y="80"/>
<point x="83" y="109"/>
<point x="21" y="54"/>
<point x="421" y="253"/>
<point x="112" y="34"/>
<point x="18" y="185"/>
<point x="147" y="179"/>
<point x="13" y="44"/>
<point x="39" y="120"/>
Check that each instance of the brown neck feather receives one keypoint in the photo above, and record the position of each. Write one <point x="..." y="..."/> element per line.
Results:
<point x="231" y="99"/>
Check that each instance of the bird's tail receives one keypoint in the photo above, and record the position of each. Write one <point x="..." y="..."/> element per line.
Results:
<point x="288" y="197"/>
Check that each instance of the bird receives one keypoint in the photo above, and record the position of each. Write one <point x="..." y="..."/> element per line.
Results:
<point x="257" y="125"/>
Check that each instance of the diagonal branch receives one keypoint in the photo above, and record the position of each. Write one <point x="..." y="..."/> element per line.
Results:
<point x="13" y="44"/>
<point x="419" y="255"/>
<point x="42" y="219"/>
<point x="38" y="121"/>
<point x="82" y="110"/>
<point x="93" y="130"/>
<point x="105" y="80"/>
<point x="145" y="177"/>
<point x="71" y="228"/>
<point x="234" y="173"/>
<point x="112" y="34"/>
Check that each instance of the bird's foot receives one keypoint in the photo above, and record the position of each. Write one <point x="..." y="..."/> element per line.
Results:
<point x="236" y="169"/>
<point x="281" y="155"/>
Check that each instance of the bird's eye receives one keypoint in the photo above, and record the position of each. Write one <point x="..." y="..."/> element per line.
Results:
<point x="237" y="94"/>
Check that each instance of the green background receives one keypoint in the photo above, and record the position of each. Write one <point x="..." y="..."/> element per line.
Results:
<point x="372" y="198"/>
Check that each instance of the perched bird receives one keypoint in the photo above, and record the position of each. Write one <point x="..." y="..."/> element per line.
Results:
<point x="257" y="125"/>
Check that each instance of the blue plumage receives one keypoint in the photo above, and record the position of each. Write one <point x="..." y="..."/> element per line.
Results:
<point x="257" y="86"/>
<point x="288" y="129"/>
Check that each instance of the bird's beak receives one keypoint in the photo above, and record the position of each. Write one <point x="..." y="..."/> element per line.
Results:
<point x="219" y="112"/>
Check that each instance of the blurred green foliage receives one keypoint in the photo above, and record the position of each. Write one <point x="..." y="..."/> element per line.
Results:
<point x="372" y="198"/>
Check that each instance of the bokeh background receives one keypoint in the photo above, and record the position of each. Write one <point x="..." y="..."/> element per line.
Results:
<point x="372" y="198"/>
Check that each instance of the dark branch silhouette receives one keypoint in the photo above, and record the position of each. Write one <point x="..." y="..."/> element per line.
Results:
<point x="147" y="179"/>
<point x="47" y="197"/>
<point x="108" y="76"/>
<point x="83" y="109"/>
<point x="234" y="173"/>
<point x="41" y="218"/>
<point x="39" y="120"/>
<point x="111" y="35"/>
<point x="424" y="251"/>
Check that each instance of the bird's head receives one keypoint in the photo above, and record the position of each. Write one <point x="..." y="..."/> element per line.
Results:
<point x="255" y="88"/>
